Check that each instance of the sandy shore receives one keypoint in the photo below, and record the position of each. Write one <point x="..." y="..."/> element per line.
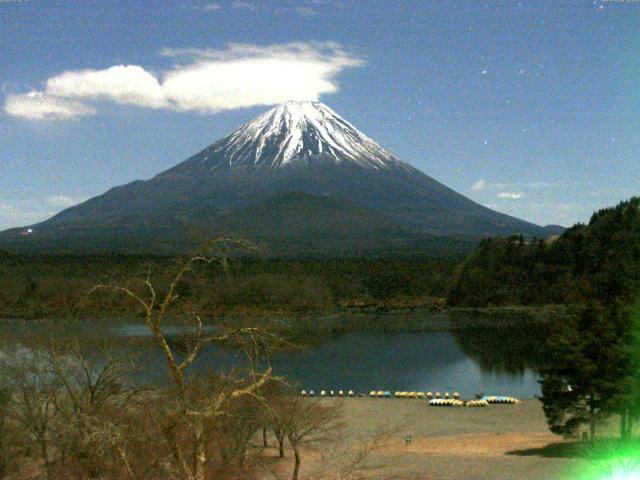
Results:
<point x="496" y="442"/>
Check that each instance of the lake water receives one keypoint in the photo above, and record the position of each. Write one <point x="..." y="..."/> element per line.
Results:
<point x="421" y="361"/>
<point x="425" y="361"/>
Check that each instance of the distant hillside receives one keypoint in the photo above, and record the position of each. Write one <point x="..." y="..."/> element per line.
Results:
<point x="596" y="262"/>
<point x="293" y="224"/>
<point x="299" y="176"/>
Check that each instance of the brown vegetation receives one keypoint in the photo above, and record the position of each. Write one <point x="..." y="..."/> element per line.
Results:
<point x="56" y="286"/>
<point x="71" y="411"/>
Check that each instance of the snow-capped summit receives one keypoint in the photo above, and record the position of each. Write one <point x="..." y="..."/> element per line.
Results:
<point x="293" y="133"/>
<point x="298" y="177"/>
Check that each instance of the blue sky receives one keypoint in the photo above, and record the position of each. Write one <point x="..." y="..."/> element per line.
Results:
<point x="531" y="107"/>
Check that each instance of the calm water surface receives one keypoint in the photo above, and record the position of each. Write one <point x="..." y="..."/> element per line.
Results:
<point x="426" y="361"/>
<point x="422" y="361"/>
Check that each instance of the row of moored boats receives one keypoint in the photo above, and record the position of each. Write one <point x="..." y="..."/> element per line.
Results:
<point x="435" y="399"/>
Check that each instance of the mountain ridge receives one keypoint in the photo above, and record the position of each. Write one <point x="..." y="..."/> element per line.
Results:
<point x="302" y="147"/>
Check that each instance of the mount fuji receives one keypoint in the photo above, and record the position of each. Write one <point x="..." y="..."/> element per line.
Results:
<point x="298" y="178"/>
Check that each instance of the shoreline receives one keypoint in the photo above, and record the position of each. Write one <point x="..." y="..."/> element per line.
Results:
<point x="499" y="441"/>
<point x="415" y="317"/>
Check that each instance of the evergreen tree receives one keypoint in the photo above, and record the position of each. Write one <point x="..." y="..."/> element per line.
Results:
<point x="596" y="262"/>
<point x="627" y="400"/>
<point x="594" y="361"/>
<point x="585" y="376"/>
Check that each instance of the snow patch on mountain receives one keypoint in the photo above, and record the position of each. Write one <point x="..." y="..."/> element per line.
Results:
<point x="298" y="132"/>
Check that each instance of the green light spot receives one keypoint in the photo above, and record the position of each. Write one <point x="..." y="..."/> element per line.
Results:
<point x="611" y="460"/>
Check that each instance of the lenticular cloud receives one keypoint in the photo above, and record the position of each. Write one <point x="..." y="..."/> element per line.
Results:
<point x="201" y="80"/>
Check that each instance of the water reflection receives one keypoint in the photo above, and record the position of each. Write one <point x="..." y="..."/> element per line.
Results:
<point x="425" y="361"/>
<point x="469" y="360"/>
<point x="504" y="349"/>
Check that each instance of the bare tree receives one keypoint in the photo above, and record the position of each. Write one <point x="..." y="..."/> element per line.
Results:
<point x="58" y="399"/>
<point x="184" y="410"/>
<point x="36" y="390"/>
<point x="351" y="459"/>
<point x="97" y="390"/>
<point x="235" y="430"/>
<point x="5" y="404"/>
<point x="93" y="383"/>
<point x="303" y="421"/>
<point x="275" y="414"/>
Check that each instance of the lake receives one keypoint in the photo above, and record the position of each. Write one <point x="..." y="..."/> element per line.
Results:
<point x="422" y="361"/>
<point x="487" y="360"/>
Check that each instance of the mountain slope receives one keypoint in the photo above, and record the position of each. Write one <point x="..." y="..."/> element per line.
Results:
<point x="292" y="134"/>
<point x="345" y="185"/>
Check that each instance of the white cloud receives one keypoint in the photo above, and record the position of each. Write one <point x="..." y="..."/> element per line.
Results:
<point x="124" y="84"/>
<point x="18" y="212"/>
<point x="511" y="195"/>
<point x="12" y="216"/>
<point x="63" y="201"/>
<point x="241" y="4"/>
<point x="535" y="184"/>
<point x="479" y="185"/>
<point x="39" y="106"/>
<point x="210" y="7"/>
<point x="305" y="11"/>
<point x="203" y="80"/>
<point x="328" y="51"/>
<point x="546" y="212"/>
<point x="246" y="75"/>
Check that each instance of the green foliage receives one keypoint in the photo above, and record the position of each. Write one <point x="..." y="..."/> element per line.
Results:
<point x="627" y="400"/>
<point x="506" y="271"/>
<point x="593" y="363"/>
<point x="586" y="369"/>
<point x="597" y="262"/>
<point x="273" y="292"/>
<point x="56" y="286"/>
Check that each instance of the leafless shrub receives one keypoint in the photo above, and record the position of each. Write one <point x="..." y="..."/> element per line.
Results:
<point x="189" y="413"/>
<point x="304" y="422"/>
<point x="35" y="390"/>
<point x="354" y="462"/>
<point x="59" y="401"/>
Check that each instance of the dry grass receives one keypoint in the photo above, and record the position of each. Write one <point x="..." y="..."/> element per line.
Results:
<point x="497" y="442"/>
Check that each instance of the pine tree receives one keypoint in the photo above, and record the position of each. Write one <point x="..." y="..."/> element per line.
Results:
<point x="583" y="381"/>
<point x="627" y="400"/>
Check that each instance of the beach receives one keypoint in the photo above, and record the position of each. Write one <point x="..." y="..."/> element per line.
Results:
<point x="495" y="442"/>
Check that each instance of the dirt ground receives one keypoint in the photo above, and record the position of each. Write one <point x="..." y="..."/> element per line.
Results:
<point x="497" y="442"/>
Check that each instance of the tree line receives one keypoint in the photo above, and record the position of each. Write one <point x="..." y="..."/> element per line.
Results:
<point x="599" y="261"/>
<point x="55" y="286"/>
<point x="593" y="355"/>
<point x="76" y="408"/>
